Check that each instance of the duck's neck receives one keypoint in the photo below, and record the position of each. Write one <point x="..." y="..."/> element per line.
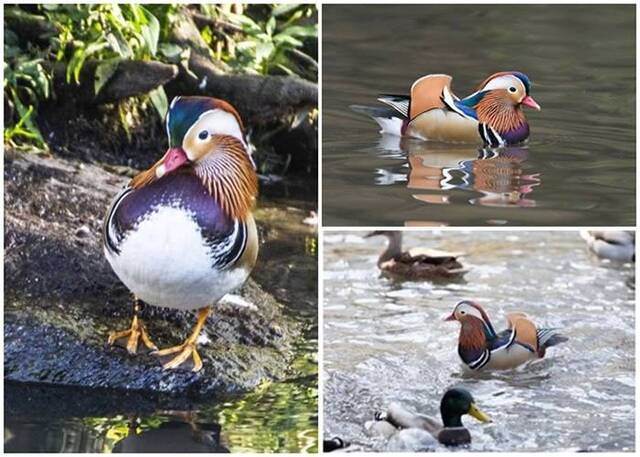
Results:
<point x="496" y="111"/>
<point x="473" y="334"/>
<point x="394" y="247"/>
<point x="450" y="419"/>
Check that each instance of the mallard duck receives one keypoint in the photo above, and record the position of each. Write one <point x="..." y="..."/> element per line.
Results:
<point x="616" y="245"/>
<point x="492" y="114"/>
<point x="406" y="429"/>
<point x="181" y="234"/>
<point x="481" y="348"/>
<point x="416" y="263"/>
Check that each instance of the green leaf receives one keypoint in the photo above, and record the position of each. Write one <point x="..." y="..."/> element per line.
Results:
<point x="151" y="32"/>
<point x="73" y="67"/>
<point x="263" y="51"/>
<point x="246" y="22"/>
<point x="170" y="51"/>
<point x="104" y="72"/>
<point x="158" y="98"/>
<point x="301" y="31"/>
<point x="271" y="25"/>
<point x="287" y="39"/>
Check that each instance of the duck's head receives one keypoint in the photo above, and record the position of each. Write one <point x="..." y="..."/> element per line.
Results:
<point x="206" y="135"/>
<point x="195" y="128"/>
<point x="467" y="310"/>
<point x="456" y="403"/>
<point x="511" y="86"/>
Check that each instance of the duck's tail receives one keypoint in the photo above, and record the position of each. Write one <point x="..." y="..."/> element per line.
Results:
<point x="389" y="119"/>
<point x="548" y="337"/>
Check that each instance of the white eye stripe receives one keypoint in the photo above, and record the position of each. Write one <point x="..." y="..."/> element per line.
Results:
<point x="504" y="82"/>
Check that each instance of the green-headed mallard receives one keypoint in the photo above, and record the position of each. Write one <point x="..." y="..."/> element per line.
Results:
<point x="405" y="429"/>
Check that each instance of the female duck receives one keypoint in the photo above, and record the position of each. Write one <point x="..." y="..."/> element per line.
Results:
<point x="407" y="430"/>
<point x="416" y="263"/>
<point x="181" y="234"/>
<point x="492" y="114"/>
<point x="481" y="348"/>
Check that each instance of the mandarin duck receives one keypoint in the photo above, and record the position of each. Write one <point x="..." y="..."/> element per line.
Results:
<point x="416" y="263"/>
<point x="492" y="114"/>
<point x="616" y="245"/>
<point x="481" y="348"/>
<point x="181" y="234"/>
<point x="407" y="428"/>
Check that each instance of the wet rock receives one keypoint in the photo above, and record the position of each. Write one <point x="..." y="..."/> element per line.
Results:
<point x="62" y="299"/>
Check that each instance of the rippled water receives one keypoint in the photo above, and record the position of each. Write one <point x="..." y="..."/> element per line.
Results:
<point x="579" y="166"/>
<point x="386" y="341"/>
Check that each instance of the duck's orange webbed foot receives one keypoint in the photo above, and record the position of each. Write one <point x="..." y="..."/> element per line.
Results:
<point x="187" y="349"/>
<point x="136" y="333"/>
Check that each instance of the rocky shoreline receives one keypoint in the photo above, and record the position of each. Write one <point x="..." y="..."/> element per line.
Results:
<point x="62" y="299"/>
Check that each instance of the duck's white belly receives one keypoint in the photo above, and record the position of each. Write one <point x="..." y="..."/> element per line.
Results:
<point x="505" y="359"/>
<point x="165" y="262"/>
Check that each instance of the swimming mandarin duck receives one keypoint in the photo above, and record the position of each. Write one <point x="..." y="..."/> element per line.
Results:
<point x="481" y="348"/>
<point x="492" y="114"/>
<point x="181" y="234"/>
<point x="403" y="426"/>
<point x="416" y="263"/>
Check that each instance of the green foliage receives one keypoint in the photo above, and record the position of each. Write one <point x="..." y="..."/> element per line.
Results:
<point x="25" y="83"/>
<point x="263" y="39"/>
<point x="108" y="33"/>
<point x="271" y="45"/>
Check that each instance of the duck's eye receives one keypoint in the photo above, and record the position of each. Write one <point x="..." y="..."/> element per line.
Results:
<point x="203" y="135"/>
<point x="512" y="90"/>
<point x="462" y="312"/>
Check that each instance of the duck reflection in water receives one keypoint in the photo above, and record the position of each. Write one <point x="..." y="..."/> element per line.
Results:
<point x="495" y="173"/>
<point x="182" y="434"/>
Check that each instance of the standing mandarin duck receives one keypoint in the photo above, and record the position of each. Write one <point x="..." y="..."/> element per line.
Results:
<point x="416" y="263"/>
<point x="407" y="428"/>
<point x="492" y="114"/>
<point x="481" y="348"/>
<point x="181" y="234"/>
<point x="616" y="245"/>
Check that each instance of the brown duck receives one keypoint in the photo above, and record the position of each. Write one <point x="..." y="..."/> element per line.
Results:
<point x="417" y="263"/>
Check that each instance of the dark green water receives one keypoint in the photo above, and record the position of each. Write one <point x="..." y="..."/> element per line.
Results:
<point x="579" y="166"/>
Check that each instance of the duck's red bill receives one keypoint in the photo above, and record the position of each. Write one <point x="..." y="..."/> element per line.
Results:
<point x="530" y="102"/>
<point x="172" y="160"/>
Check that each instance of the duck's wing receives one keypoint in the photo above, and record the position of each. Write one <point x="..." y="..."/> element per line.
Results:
<point x="427" y="93"/>
<point x="523" y="330"/>
<point x="401" y="417"/>
<point x="434" y="92"/>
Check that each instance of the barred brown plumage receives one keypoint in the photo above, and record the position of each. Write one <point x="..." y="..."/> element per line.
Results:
<point x="229" y="175"/>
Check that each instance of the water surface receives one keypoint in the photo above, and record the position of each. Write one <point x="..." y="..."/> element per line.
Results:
<point x="578" y="168"/>
<point x="386" y="341"/>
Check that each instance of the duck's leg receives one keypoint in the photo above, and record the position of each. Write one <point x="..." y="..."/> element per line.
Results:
<point x="134" y="334"/>
<point x="188" y="348"/>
